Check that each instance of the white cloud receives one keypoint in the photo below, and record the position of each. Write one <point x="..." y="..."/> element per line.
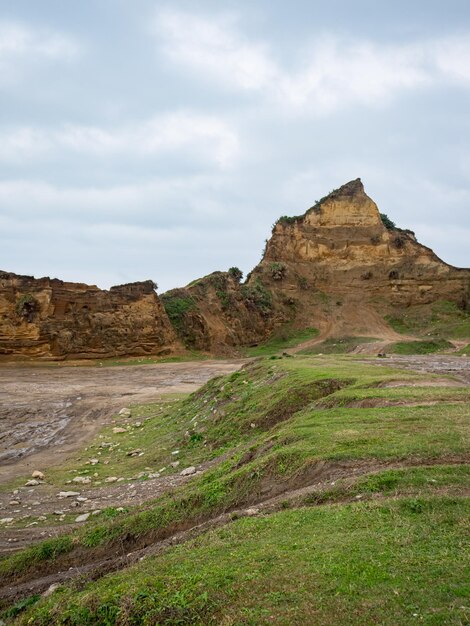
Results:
<point x="166" y="201"/>
<point x="203" y="136"/>
<point x="214" y="47"/>
<point x="331" y="74"/>
<point x="22" y="47"/>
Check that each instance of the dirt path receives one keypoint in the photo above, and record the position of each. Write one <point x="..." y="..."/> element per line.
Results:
<point x="357" y="319"/>
<point x="47" y="413"/>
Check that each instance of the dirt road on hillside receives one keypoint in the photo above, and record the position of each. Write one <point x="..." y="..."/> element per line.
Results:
<point x="46" y="413"/>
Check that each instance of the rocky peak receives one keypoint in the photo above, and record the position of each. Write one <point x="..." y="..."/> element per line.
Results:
<point x="348" y="206"/>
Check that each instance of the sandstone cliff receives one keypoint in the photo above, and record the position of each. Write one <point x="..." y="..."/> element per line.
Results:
<point x="51" y="319"/>
<point x="336" y="267"/>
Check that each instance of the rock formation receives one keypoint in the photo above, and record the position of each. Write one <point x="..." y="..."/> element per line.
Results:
<point x="336" y="267"/>
<point x="51" y="319"/>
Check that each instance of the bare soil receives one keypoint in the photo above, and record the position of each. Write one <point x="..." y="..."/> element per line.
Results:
<point x="46" y="413"/>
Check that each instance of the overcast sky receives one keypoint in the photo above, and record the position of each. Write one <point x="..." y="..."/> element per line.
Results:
<point x="143" y="139"/>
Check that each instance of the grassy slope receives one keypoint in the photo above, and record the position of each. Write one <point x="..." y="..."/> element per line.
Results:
<point x="286" y="337"/>
<point x="441" y="320"/>
<point x="272" y="422"/>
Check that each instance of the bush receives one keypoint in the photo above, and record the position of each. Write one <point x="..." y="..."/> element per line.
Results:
<point x="177" y="303"/>
<point x="278" y="270"/>
<point x="387" y="222"/>
<point x="27" y="306"/>
<point x="235" y="273"/>
<point x="258" y="296"/>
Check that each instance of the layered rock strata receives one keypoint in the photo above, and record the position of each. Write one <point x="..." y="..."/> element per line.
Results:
<point x="51" y="319"/>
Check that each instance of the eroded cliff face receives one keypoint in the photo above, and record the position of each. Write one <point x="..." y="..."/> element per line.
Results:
<point x="341" y="246"/>
<point x="217" y="313"/>
<point x="337" y="268"/>
<point x="51" y="319"/>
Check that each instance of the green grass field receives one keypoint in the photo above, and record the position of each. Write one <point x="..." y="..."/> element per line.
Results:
<point x="377" y="534"/>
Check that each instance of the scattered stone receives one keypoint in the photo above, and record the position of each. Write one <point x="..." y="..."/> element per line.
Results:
<point x="175" y="464"/>
<point x="111" y="479"/>
<point x="120" y="509"/>
<point x="118" y="430"/>
<point x="81" y="499"/>
<point x="125" y="412"/>
<point x="137" y="424"/>
<point x="134" y="452"/>
<point x="94" y="461"/>
<point x="6" y="520"/>
<point x="68" y="494"/>
<point x="175" y="452"/>
<point x="188" y="471"/>
<point x="251" y="512"/>
<point x="154" y="475"/>
<point x="82" y="518"/>
<point x="252" y="425"/>
<point x="59" y="513"/>
<point x="32" y="483"/>
<point x="37" y="474"/>
<point x="97" y="512"/>
<point x="50" y="590"/>
<point x="14" y="502"/>
<point x="82" y="479"/>
<point x="42" y="518"/>
<point x="106" y="444"/>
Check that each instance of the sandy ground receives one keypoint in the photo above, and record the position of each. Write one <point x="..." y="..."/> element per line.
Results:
<point x="46" y="413"/>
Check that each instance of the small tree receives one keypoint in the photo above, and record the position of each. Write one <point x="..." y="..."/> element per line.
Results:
<point x="235" y="273"/>
<point x="387" y="222"/>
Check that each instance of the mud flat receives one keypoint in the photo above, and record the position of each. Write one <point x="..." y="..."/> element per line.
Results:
<point x="47" y="413"/>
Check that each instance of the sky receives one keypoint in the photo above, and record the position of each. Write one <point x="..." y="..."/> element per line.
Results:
<point x="161" y="140"/>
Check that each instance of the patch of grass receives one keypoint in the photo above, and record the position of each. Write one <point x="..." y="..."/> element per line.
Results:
<point x="20" y="606"/>
<point x="286" y="337"/>
<point x="258" y="296"/>
<point x="356" y="564"/>
<point x="177" y="303"/>
<point x="443" y="319"/>
<point x="193" y="355"/>
<point x="419" y="347"/>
